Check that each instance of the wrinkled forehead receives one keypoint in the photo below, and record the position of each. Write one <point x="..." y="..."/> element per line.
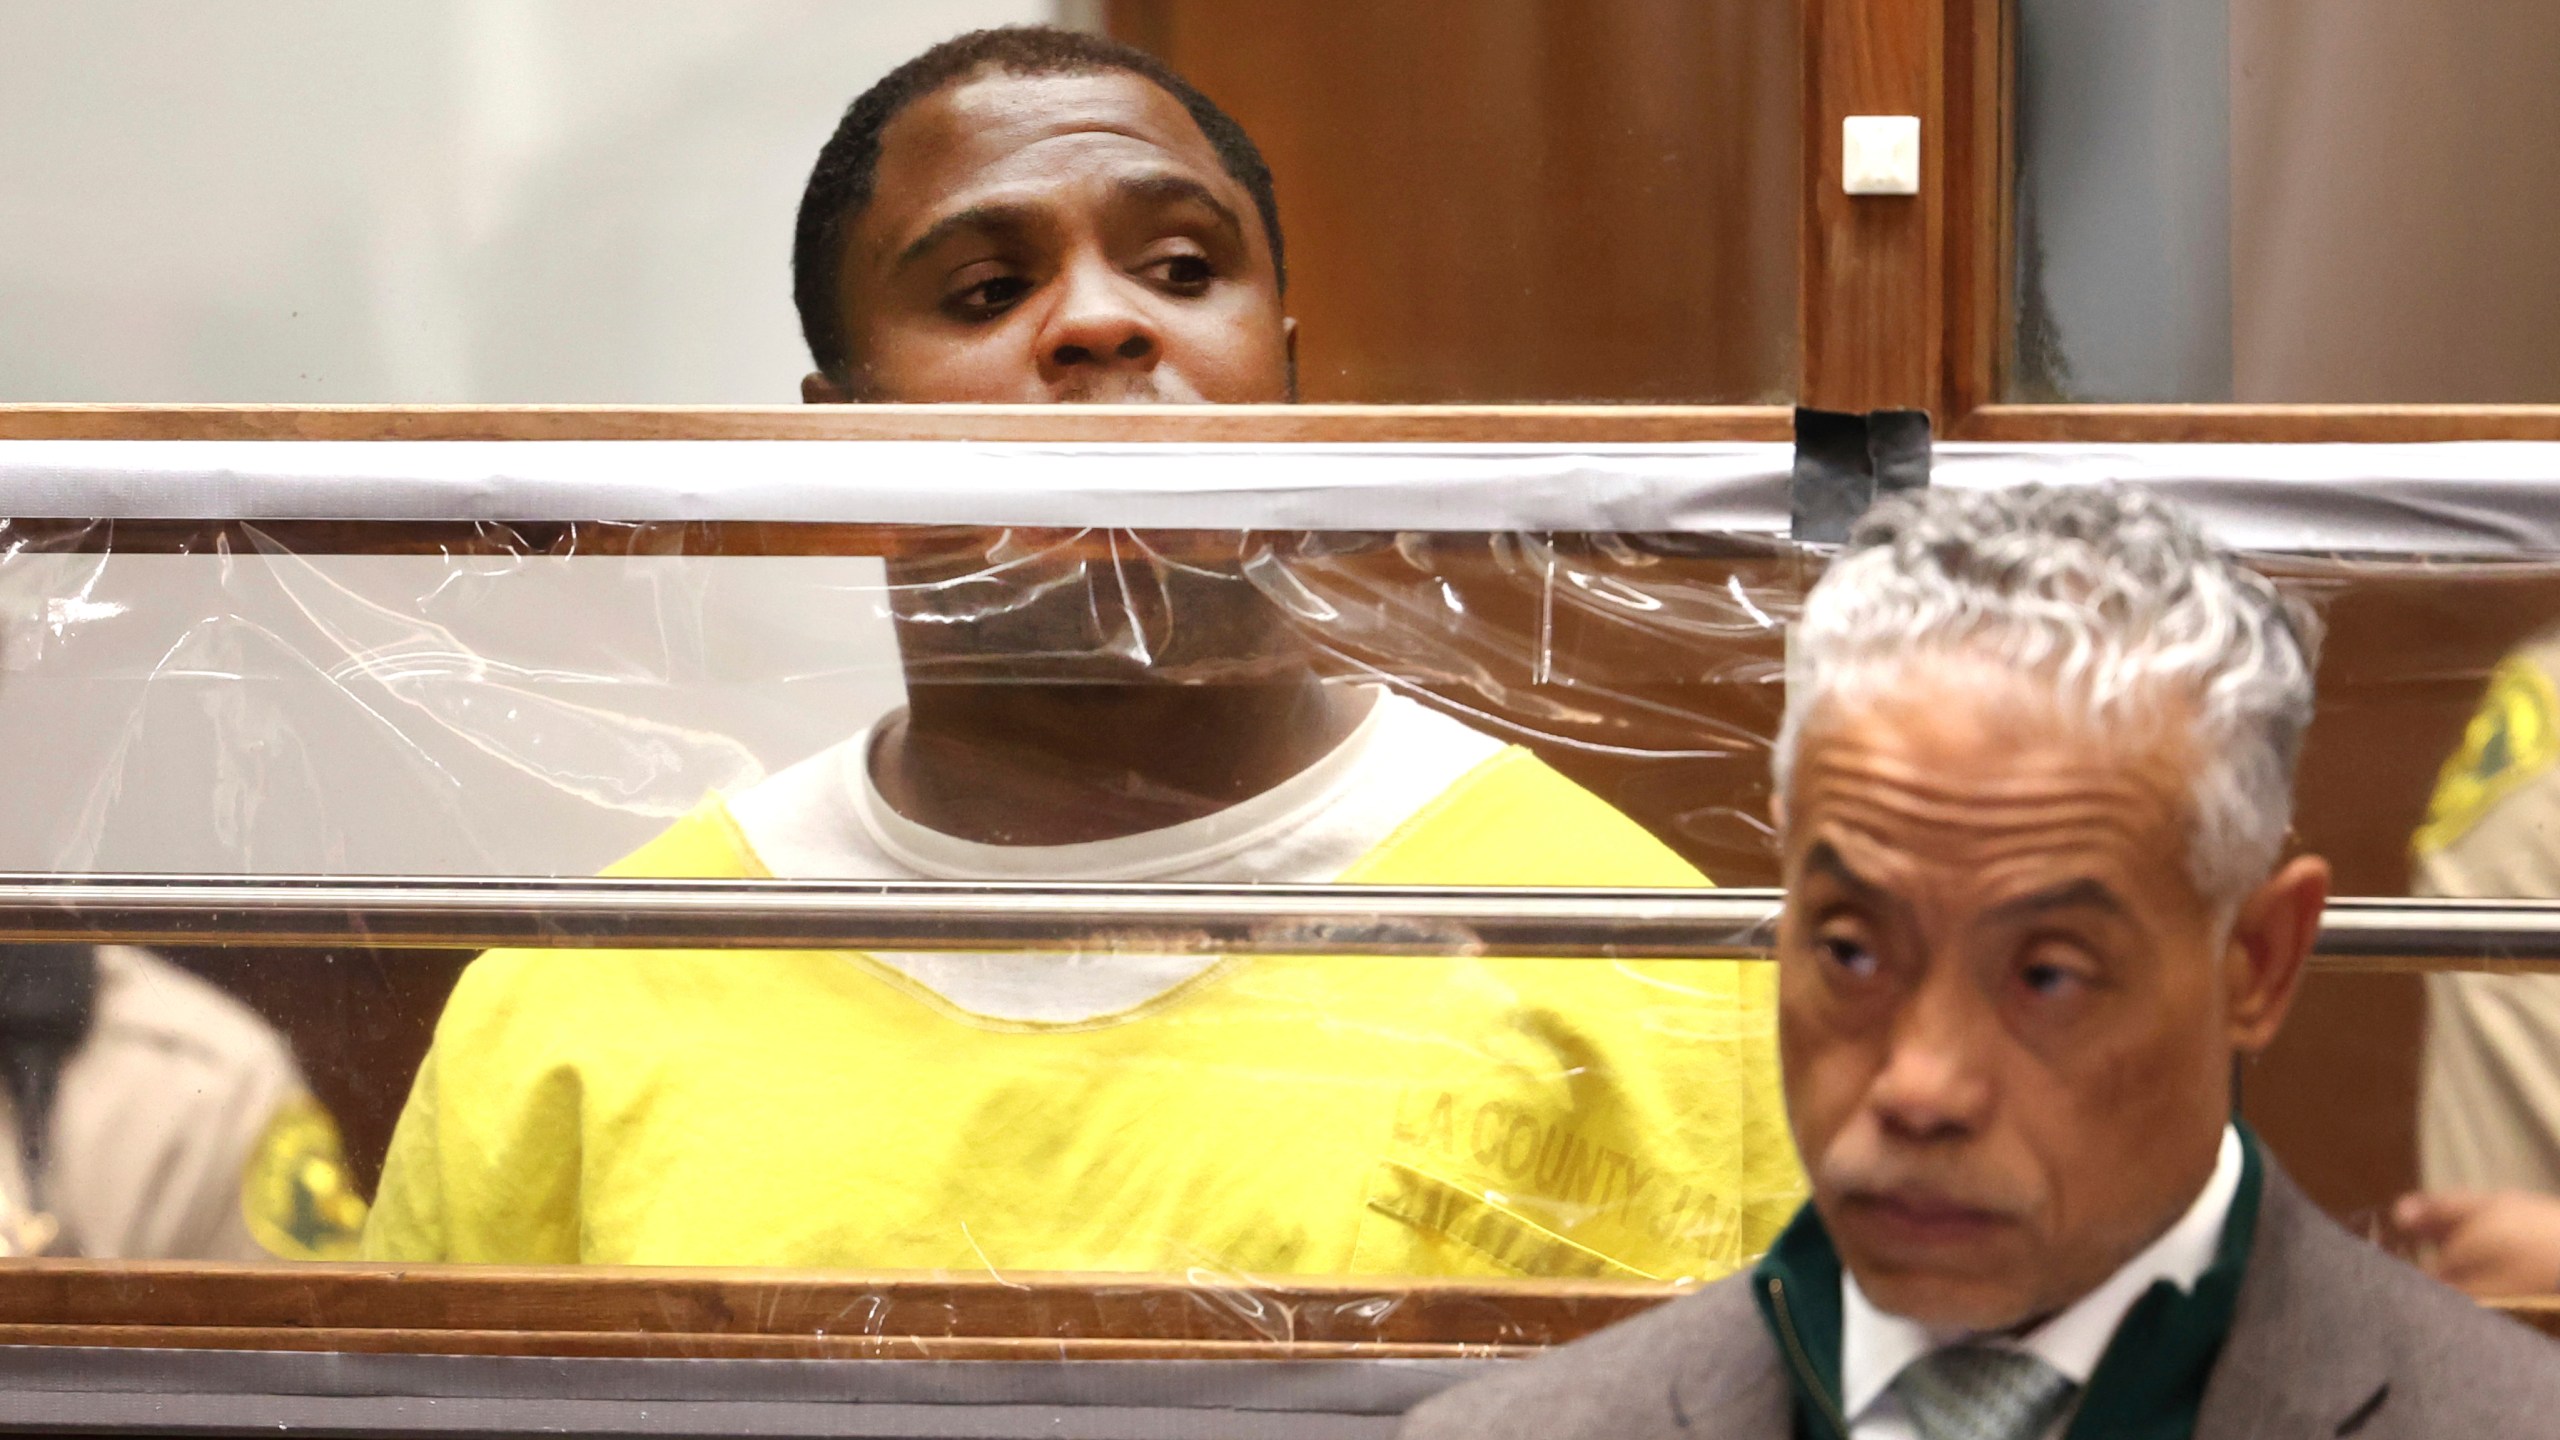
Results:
<point x="1957" y="758"/>
<point x="1000" y="136"/>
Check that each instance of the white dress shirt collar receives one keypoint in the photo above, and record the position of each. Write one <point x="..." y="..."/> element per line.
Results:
<point x="1875" y="1346"/>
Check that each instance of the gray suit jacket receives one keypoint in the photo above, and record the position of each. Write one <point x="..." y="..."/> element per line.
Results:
<point x="2331" y="1338"/>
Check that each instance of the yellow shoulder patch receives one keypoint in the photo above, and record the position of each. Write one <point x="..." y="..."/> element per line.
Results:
<point x="2515" y="737"/>
<point x="297" y="1194"/>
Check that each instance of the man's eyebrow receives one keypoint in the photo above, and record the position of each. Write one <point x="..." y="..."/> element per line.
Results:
<point x="998" y="217"/>
<point x="995" y="218"/>
<point x="1169" y="187"/>
<point x="1826" y="859"/>
<point x="2083" y="893"/>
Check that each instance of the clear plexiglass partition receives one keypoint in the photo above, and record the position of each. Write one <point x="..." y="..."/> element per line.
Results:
<point x="1174" y="894"/>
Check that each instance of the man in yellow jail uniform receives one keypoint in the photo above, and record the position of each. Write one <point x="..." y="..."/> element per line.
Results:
<point x="1043" y="1112"/>
<point x="1035" y="215"/>
<point x="156" y="1118"/>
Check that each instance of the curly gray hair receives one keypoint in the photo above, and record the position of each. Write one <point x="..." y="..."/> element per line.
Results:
<point x="2114" y="596"/>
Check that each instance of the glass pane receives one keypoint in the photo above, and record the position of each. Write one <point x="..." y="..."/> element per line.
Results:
<point x="2276" y="201"/>
<point x="1047" y="1113"/>
<point x="550" y="201"/>
<point x="930" y="703"/>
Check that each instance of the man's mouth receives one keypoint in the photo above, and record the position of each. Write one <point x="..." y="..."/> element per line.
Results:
<point x="1922" y="1219"/>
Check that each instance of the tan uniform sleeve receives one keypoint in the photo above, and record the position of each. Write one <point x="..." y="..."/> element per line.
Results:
<point x="214" y="1212"/>
<point x="2489" y="1090"/>
<point x="184" y="1131"/>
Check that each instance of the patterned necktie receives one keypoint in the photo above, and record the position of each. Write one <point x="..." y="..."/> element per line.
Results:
<point x="1974" y="1392"/>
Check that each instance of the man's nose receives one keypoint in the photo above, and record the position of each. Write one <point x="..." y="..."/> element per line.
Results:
<point x="1936" y="1082"/>
<point x="1100" y="326"/>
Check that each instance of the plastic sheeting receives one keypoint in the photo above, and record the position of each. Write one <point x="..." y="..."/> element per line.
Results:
<point x="264" y="710"/>
<point x="1085" y="643"/>
<point x="960" y="702"/>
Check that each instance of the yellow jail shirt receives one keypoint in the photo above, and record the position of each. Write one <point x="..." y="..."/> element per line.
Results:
<point x="1274" y="1115"/>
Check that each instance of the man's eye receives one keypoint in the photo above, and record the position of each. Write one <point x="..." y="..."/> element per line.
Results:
<point x="1184" y="274"/>
<point x="2051" y="981"/>
<point x="988" y="298"/>
<point x="1849" y="955"/>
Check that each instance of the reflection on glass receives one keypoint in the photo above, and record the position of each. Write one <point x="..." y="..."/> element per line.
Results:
<point x="2270" y="201"/>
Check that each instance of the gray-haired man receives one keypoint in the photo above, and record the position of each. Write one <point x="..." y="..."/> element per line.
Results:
<point x="2034" y="785"/>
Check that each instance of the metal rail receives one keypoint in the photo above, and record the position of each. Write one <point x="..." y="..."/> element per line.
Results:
<point x="477" y="913"/>
<point x="794" y="914"/>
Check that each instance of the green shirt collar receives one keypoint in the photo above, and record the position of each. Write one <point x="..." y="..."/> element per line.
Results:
<point x="2148" y="1385"/>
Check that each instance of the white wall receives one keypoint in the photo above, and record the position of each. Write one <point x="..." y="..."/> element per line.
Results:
<point x="421" y="200"/>
<point x="416" y="201"/>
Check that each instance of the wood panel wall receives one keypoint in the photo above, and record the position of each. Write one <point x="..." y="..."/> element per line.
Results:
<point x="1528" y="200"/>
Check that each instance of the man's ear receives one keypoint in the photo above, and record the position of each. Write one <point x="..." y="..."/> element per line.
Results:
<point x="2271" y="940"/>
<point x="819" y="388"/>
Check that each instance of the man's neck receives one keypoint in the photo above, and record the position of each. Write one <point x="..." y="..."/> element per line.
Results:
<point x="1062" y="764"/>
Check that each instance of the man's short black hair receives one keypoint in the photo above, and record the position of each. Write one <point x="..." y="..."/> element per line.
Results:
<point x="840" y="184"/>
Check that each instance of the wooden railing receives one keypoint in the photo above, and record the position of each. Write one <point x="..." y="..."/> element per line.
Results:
<point x="740" y="1314"/>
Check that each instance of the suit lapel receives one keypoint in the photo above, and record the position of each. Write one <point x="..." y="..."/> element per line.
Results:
<point x="1728" y="1380"/>
<point x="2300" y="1361"/>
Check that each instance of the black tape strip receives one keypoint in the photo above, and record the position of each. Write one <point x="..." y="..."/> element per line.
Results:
<point x="1898" y="450"/>
<point x="1845" y="462"/>
<point x="1832" y="484"/>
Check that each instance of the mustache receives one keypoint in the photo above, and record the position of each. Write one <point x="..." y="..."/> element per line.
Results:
<point x="1857" y="1174"/>
<point x="1123" y="388"/>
